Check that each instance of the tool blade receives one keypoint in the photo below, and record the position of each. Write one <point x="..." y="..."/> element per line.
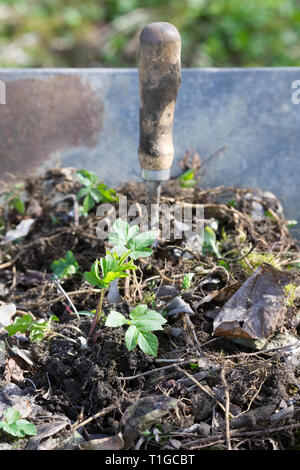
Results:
<point x="153" y="192"/>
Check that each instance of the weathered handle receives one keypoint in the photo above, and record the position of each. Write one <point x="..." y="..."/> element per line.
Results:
<point x="159" y="75"/>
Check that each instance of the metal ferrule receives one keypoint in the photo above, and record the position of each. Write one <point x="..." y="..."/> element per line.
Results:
<point x="156" y="175"/>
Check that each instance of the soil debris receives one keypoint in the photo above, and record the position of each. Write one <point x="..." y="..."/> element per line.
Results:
<point x="203" y="390"/>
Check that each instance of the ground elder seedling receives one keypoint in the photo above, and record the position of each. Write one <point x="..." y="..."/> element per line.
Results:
<point x="93" y="191"/>
<point x="14" y="425"/>
<point x="141" y="323"/>
<point x="65" y="267"/>
<point x="13" y="198"/>
<point x="126" y="237"/>
<point x="26" y="324"/>
<point x="103" y="272"/>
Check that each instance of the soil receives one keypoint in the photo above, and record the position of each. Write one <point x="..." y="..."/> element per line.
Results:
<point x="95" y="382"/>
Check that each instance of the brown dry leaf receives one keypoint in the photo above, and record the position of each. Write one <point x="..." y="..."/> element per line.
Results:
<point x="258" y="308"/>
<point x="13" y="372"/>
<point x="106" y="443"/>
<point x="142" y="414"/>
<point x="46" y="430"/>
<point x="219" y="295"/>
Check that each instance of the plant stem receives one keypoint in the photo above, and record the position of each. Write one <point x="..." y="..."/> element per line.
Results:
<point x="97" y="314"/>
<point x="137" y="286"/>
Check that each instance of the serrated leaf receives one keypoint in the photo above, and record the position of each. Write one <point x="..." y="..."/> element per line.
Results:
<point x="136" y="254"/>
<point x="11" y="415"/>
<point x="18" y="205"/>
<point x="65" y="267"/>
<point x="115" y="319"/>
<point x="210" y="239"/>
<point x="91" y="279"/>
<point x="88" y="203"/>
<point x="143" y="240"/>
<point x="107" y="194"/>
<point x="120" y="232"/>
<point x="20" y="324"/>
<point x="187" y="280"/>
<point x="140" y="309"/>
<point x="149" y="321"/>
<point x="148" y="343"/>
<point x="86" y="178"/>
<point x="26" y="428"/>
<point x="131" y="337"/>
<point x="82" y="192"/>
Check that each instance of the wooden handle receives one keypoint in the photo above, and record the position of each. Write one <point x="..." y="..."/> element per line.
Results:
<point x="159" y="75"/>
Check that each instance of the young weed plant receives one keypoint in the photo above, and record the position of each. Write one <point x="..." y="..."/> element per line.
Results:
<point x="103" y="272"/>
<point x="126" y="237"/>
<point x="13" y="198"/>
<point x="37" y="329"/>
<point x="142" y="321"/>
<point x="15" y="426"/>
<point x="65" y="267"/>
<point x="93" y="191"/>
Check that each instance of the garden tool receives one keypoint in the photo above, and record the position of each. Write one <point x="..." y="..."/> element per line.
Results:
<point x="159" y="77"/>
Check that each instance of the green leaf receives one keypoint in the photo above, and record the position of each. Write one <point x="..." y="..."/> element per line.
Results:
<point x="89" y="313"/>
<point x="16" y="427"/>
<point x="187" y="280"/>
<point x="18" y="205"/>
<point x="88" y="203"/>
<point x="107" y="194"/>
<point x="21" y="324"/>
<point x="140" y="244"/>
<point x="82" y="192"/>
<point x="86" y="178"/>
<point x="145" y="319"/>
<point x="11" y="415"/>
<point x="38" y="331"/>
<point x="187" y="179"/>
<point x="26" y="428"/>
<point x="131" y="337"/>
<point x="91" y="279"/>
<point x="148" y="343"/>
<point x="65" y="267"/>
<point x="115" y="319"/>
<point x="140" y="309"/>
<point x="211" y="241"/>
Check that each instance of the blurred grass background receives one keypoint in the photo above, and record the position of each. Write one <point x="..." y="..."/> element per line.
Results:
<point x="91" y="33"/>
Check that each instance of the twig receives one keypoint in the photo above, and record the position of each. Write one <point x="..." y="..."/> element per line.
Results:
<point x="205" y="390"/>
<point x="97" y="415"/>
<point x="60" y="297"/>
<point x="199" y="443"/>
<point x="132" y="377"/>
<point x="240" y="258"/>
<point x="227" y="405"/>
<point x="67" y="296"/>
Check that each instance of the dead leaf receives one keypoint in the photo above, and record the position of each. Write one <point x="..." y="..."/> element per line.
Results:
<point x="106" y="443"/>
<point x="7" y="311"/>
<point x="33" y="277"/>
<point x="21" y="230"/>
<point x="46" y="430"/>
<point x="142" y="414"/>
<point x="177" y="305"/>
<point x="220" y="295"/>
<point x="13" y="372"/>
<point x="258" y="308"/>
<point x="11" y="396"/>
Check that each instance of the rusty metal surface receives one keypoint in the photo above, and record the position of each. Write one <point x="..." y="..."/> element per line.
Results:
<point x="88" y="118"/>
